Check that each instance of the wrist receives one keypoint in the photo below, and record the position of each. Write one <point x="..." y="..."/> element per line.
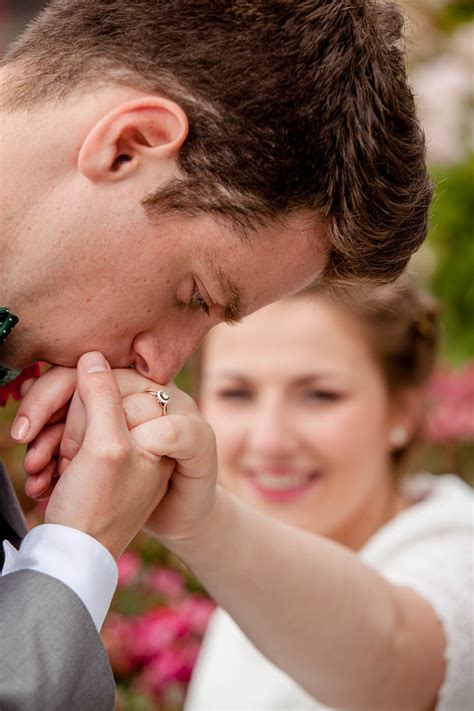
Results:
<point x="90" y="529"/>
<point x="211" y="536"/>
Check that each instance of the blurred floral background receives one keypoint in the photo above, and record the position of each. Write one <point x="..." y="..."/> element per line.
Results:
<point x="159" y="613"/>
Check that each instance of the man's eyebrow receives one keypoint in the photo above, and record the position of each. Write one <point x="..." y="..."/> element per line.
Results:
<point x="233" y="306"/>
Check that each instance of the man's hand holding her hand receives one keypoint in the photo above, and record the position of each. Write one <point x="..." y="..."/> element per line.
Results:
<point x="108" y="467"/>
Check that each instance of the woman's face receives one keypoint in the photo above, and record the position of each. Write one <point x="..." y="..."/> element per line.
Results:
<point x="302" y="418"/>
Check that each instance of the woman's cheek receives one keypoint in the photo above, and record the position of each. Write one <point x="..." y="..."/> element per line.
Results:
<point x="355" y="436"/>
<point x="337" y="434"/>
<point x="230" y="437"/>
<point x="331" y="424"/>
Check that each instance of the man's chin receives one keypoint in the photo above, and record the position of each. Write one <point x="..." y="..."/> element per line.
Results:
<point x="114" y="362"/>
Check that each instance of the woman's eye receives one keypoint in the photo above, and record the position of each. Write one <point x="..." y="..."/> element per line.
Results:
<point x="199" y="302"/>
<point x="234" y="394"/>
<point x="325" y="395"/>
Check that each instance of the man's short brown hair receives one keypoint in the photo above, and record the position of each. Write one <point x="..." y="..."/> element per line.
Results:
<point x="292" y="104"/>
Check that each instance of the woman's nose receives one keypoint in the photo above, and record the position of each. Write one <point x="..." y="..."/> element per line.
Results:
<point x="271" y="431"/>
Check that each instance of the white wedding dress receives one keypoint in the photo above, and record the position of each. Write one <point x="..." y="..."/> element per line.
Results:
<point x="428" y="547"/>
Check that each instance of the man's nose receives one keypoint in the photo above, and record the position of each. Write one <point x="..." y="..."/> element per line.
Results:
<point x="160" y="358"/>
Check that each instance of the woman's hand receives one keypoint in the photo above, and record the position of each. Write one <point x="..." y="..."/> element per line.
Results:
<point x="190" y="497"/>
<point x="45" y="402"/>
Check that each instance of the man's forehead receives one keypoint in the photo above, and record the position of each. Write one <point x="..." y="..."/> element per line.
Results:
<point x="291" y="259"/>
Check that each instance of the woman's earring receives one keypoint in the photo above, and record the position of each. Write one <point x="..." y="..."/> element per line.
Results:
<point x="398" y="436"/>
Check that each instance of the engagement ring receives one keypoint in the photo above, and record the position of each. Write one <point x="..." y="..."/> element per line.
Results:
<point x="162" y="398"/>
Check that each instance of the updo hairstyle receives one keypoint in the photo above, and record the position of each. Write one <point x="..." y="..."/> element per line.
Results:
<point x="401" y="325"/>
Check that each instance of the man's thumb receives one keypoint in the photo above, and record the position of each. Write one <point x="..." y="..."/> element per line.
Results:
<point x="100" y="396"/>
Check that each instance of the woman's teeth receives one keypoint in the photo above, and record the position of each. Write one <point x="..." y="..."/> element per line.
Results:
<point x="281" y="482"/>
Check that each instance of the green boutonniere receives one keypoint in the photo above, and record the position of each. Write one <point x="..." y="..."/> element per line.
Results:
<point x="7" y="323"/>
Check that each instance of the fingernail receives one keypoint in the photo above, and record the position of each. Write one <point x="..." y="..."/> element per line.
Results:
<point x="20" y="428"/>
<point x="94" y="363"/>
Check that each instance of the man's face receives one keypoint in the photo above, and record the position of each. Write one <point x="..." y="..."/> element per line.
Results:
<point x="145" y="294"/>
<point x="88" y="269"/>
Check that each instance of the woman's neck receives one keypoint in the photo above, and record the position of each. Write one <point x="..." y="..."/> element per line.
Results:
<point x="383" y="506"/>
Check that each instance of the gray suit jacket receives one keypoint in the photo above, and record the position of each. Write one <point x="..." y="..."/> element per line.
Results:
<point x="51" y="657"/>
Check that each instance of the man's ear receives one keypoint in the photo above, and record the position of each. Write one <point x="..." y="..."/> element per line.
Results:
<point x="151" y="128"/>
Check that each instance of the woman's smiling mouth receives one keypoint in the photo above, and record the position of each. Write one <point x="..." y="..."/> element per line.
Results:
<point x="281" y="484"/>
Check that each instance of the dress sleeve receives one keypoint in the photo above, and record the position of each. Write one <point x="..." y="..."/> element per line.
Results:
<point x="440" y="569"/>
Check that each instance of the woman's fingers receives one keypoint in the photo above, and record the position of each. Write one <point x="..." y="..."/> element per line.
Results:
<point x="45" y="399"/>
<point x="41" y="465"/>
<point x="130" y="382"/>
<point x="138" y="407"/>
<point x="40" y="486"/>
<point x="186" y="438"/>
<point x="74" y="429"/>
<point x="26" y="386"/>
<point x="43" y="449"/>
<point x="143" y="406"/>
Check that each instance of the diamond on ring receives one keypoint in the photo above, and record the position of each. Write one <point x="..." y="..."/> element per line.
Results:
<point x="162" y="398"/>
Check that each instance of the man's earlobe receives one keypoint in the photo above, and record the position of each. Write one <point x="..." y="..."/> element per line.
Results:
<point x="151" y="128"/>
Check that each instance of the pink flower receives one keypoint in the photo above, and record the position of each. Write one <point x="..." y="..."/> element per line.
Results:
<point x="128" y="566"/>
<point x="173" y="667"/>
<point x="176" y="663"/>
<point x="450" y="415"/>
<point x="166" y="582"/>
<point x="156" y="651"/>
<point x="155" y="631"/>
<point x="196" y="610"/>
<point x="118" y="636"/>
<point x="13" y="389"/>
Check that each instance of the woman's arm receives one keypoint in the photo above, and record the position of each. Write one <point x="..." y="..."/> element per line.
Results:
<point x="344" y="633"/>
